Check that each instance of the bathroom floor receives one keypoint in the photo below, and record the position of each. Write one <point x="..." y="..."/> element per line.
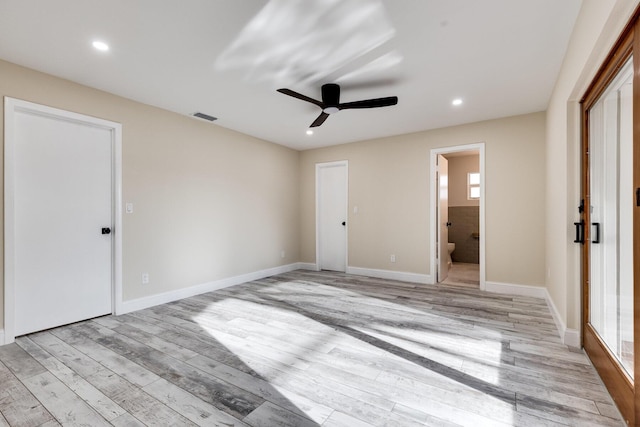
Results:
<point x="463" y="274"/>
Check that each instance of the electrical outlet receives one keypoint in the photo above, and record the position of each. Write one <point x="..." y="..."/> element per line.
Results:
<point x="393" y="258"/>
<point x="145" y="278"/>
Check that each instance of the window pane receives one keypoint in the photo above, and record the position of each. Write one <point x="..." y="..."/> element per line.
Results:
<point x="474" y="178"/>
<point x="474" y="192"/>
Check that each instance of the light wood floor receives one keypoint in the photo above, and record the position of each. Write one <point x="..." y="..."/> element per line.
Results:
<point x="308" y="349"/>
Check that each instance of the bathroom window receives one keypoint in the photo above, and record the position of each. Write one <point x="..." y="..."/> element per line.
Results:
<point x="473" y="186"/>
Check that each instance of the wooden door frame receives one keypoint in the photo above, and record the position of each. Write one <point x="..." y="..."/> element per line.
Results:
<point x="339" y="163"/>
<point x="624" y="392"/>
<point x="11" y="107"/>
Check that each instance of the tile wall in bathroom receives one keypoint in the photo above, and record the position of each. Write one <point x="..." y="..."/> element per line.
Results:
<point x="465" y="220"/>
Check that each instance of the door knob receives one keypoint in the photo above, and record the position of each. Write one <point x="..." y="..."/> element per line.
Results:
<point x="448" y="224"/>
<point x="344" y="222"/>
<point x="106" y="230"/>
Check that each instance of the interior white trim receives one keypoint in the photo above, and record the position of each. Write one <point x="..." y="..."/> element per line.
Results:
<point x="178" y="294"/>
<point x="570" y="337"/>
<point x="344" y="163"/>
<point x="520" y="290"/>
<point x="433" y="206"/>
<point x="2" y="337"/>
<point x="401" y="276"/>
<point x="117" y="217"/>
<point x="11" y="106"/>
<point x="308" y="266"/>
<point x="560" y="325"/>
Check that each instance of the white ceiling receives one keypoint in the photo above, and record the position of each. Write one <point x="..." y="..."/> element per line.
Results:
<point x="226" y="58"/>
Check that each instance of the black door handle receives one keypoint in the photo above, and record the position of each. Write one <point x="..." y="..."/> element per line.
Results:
<point x="597" y="239"/>
<point x="106" y="230"/>
<point x="448" y="224"/>
<point x="344" y="222"/>
<point x="579" y="232"/>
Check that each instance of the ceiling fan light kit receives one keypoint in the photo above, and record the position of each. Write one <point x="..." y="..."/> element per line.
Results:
<point x="330" y="103"/>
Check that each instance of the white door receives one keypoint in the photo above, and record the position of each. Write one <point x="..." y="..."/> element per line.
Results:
<point x="443" y="217"/>
<point x="331" y="183"/>
<point x="62" y="200"/>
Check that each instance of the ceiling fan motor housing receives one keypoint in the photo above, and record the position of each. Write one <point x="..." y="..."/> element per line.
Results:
<point x="331" y="94"/>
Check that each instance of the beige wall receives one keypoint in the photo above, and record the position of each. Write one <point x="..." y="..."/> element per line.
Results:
<point x="389" y="183"/>
<point x="459" y="168"/>
<point x="209" y="203"/>
<point x="598" y="26"/>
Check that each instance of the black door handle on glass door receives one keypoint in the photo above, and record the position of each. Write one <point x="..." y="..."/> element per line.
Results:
<point x="597" y="226"/>
<point x="579" y="232"/>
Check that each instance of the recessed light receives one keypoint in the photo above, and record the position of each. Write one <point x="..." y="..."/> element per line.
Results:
<point x="457" y="101"/>
<point x="101" y="46"/>
<point x="309" y="132"/>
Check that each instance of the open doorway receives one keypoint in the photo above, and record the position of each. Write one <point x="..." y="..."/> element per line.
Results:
<point x="457" y="216"/>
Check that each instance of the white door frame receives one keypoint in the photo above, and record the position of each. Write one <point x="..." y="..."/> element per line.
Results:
<point x="11" y="107"/>
<point x="344" y="163"/>
<point x="434" y="206"/>
<point x="441" y="215"/>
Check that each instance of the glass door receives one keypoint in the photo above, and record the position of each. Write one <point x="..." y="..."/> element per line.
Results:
<point x="608" y="256"/>
<point x="611" y="272"/>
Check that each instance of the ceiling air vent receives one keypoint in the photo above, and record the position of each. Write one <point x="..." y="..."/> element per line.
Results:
<point x="205" y="117"/>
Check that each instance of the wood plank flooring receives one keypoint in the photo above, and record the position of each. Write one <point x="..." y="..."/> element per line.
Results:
<point x="308" y="349"/>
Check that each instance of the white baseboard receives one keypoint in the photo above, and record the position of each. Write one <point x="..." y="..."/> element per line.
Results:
<point x="308" y="266"/>
<point x="570" y="337"/>
<point x="163" y="298"/>
<point x="560" y="325"/>
<point x="520" y="290"/>
<point x="392" y="275"/>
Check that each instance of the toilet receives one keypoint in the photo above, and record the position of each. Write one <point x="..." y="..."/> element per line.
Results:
<point x="450" y="248"/>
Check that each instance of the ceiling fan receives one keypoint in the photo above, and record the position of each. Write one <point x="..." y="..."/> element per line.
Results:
<point x="330" y="103"/>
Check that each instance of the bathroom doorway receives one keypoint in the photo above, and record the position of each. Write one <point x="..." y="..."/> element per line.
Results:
<point x="457" y="214"/>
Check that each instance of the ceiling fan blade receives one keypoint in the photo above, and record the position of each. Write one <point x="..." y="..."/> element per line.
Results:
<point x="320" y="120"/>
<point x="370" y="103"/>
<point x="301" y="96"/>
